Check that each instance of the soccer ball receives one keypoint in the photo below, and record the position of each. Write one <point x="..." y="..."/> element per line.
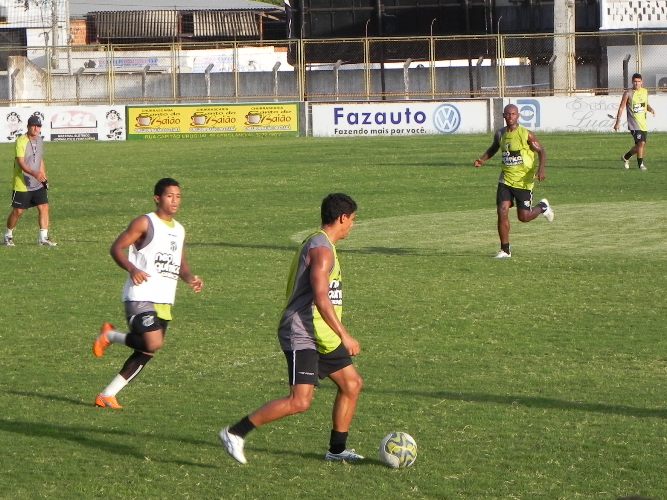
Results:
<point x="398" y="449"/>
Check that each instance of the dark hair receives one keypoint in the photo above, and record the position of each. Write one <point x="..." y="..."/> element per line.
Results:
<point x="163" y="184"/>
<point x="335" y="205"/>
<point x="637" y="75"/>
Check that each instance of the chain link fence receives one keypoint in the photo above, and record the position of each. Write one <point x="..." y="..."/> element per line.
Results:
<point x="359" y="69"/>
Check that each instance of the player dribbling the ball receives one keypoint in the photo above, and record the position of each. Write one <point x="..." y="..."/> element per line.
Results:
<point x="313" y="338"/>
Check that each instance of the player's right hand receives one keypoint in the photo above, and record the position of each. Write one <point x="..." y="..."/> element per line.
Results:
<point x="138" y="276"/>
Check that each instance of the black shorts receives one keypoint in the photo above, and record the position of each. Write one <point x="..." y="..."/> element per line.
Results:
<point x="147" y="322"/>
<point x="307" y="365"/>
<point x="29" y="199"/>
<point x="639" y="135"/>
<point x="522" y="197"/>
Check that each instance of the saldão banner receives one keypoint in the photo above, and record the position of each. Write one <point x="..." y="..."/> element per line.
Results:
<point x="399" y="118"/>
<point x="66" y="123"/>
<point x="582" y="113"/>
<point x="205" y="120"/>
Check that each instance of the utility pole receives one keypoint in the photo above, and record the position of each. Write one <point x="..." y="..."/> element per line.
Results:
<point x="564" y="47"/>
<point x="54" y="33"/>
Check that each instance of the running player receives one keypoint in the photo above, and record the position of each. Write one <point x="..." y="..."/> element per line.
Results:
<point x="151" y="250"/>
<point x="517" y="178"/>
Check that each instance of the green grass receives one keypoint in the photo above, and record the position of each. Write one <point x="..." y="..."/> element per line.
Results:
<point x="539" y="377"/>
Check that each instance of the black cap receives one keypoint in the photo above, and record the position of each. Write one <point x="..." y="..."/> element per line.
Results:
<point x="34" y="120"/>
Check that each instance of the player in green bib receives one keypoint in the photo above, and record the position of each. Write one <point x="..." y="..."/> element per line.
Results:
<point x="517" y="177"/>
<point x="315" y="342"/>
<point x="635" y="102"/>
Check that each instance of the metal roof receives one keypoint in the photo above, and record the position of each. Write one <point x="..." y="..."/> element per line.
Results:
<point x="135" y="24"/>
<point x="79" y="8"/>
<point x="218" y="23"/>
<point x="158" y="25"/>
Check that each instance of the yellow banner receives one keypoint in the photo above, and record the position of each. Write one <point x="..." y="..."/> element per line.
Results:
<point x="211" y="119"/>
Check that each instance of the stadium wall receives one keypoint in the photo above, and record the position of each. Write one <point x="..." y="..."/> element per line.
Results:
<point x="581" y="113"/>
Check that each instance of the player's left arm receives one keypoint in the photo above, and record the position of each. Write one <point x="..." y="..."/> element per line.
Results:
<point x="535" y="145"/>
<point x="650" y="109"/>
<point x="195" y="282"/>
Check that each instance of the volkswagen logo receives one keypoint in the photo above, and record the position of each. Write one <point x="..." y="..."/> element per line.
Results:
<point x="447" y="118"/>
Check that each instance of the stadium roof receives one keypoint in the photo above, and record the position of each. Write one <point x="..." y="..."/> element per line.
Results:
<point x="79" y="8"/>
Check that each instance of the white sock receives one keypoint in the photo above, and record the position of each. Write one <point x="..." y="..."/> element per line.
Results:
<point x="116" y="337"/>
<point x="9" y="233"/>
<point x="116" y="385"/>
<point x="43" y="234"/>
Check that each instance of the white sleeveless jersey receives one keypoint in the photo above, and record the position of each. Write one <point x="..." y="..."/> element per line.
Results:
<point x="160" y="257"/>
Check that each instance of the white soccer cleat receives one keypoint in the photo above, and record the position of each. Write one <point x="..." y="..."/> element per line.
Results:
<point x="233" y="444"/>
<point x="345" y="455"/>
<point x="9" y="241"/>
<point x="642" y="167"/>
<point x="548" y="213"/>
<point x="502" y="254"/>
<point x="46" y="243"/>
<point x="626" y="163"/>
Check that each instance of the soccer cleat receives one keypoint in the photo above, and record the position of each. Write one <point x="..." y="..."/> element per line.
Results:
<point x="46" y="242"/>
<point x="626" y="163"/>
<point x="233" y="444"/>
<point x="548" y="212"/>
<point x="102" y="341"/>
<point x="345" y="455"/>
<point x="107" y="402"/>
<point x="502" y="254"/>
<point x="9" y="241"/>
<point x="642" y="167"/>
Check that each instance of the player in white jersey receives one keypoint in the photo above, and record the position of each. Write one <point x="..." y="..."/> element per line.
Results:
<point x="151" y="250"/>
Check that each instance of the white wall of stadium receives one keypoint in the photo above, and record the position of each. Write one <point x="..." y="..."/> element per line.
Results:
<point x="578" y="113"/>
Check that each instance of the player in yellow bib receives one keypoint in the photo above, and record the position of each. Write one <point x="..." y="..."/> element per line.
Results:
<point x="517" y="177"/>
<point x="313" y="338"/>
<point x="635" y="102"/>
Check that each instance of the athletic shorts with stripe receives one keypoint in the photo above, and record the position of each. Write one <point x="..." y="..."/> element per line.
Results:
<point x="306" y="366"/>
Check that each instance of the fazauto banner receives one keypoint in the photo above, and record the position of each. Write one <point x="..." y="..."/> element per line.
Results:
<point x="66" y="123"/>
<point x="582" y="113"/>
<point x="399" y="118"/>
<point x="204" y="120"/>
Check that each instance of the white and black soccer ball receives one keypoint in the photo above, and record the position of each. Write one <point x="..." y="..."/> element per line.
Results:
<point x="398" y="450"/>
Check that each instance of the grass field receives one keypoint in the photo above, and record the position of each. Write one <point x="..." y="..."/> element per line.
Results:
<point x="544" y="376"/>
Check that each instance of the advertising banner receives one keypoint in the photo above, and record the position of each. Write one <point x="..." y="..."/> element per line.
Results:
<point x="582" y="113"/>
<point x="205" y="120"/>
<point x="66" y="123"/>
<point x="399" y="118"/>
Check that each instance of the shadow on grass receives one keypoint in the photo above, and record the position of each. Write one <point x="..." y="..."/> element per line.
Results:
<point x="77" y="434"/>
<point x="50" y="397"/>
<point x="420" y="252"/>
<point x="78" y="402"/>
<point x="319" y="457"/>
<point x="549" y="403"/>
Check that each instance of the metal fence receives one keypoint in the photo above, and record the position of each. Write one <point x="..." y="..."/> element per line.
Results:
<point x="359" y="69"/>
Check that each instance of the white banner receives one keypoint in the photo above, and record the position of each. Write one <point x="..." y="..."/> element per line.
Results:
<point x="582" y="114"/>
<point x="66" y="123"/>
<point x="399" y="118"/>
<point x="633" y="14"/>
